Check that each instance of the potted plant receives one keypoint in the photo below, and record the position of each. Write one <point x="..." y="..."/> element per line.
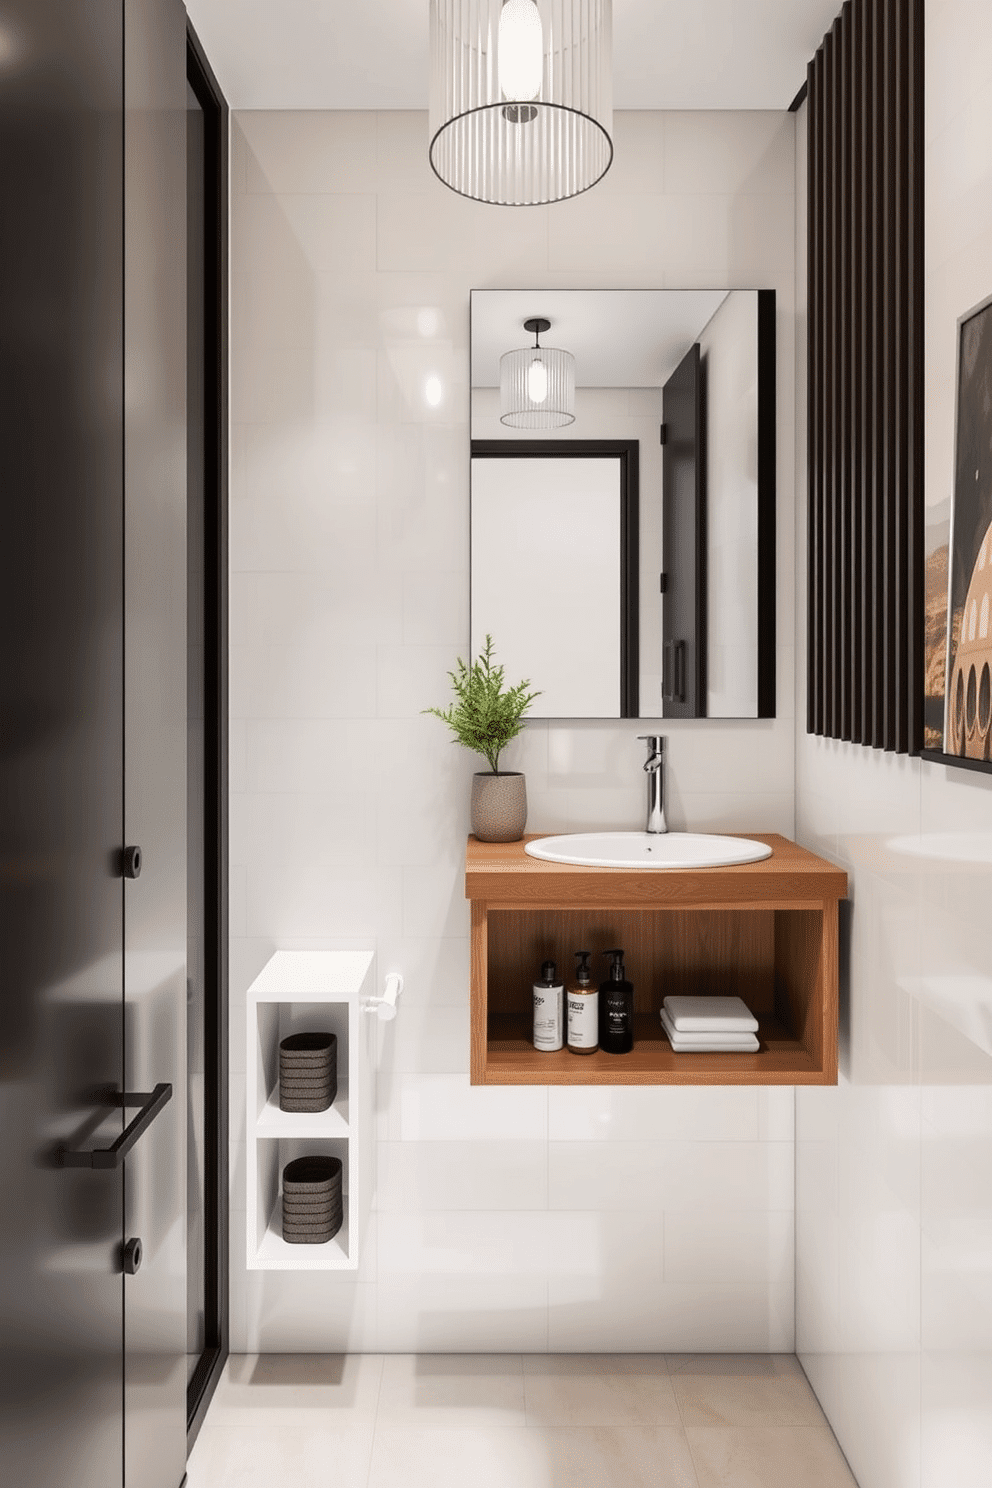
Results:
<point x="485" y="717"/>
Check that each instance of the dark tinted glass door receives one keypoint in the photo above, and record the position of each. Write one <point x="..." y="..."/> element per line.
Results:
<point x="61" y="780"/>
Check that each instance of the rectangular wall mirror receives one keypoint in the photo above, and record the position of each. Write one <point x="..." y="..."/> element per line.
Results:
<point x="623" y="498"/>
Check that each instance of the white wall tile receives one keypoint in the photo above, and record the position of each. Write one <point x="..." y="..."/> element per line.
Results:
<point x="729" y="1248"/>
<point x="464" y="1242"/>
<point x="463" y="1314"/>
<point x="437" y="1108"/>
<point x="426" y="1040"/>
<point x="671" y="1176"/>
<point x="435" y="971"/>
<point x="700" y="156"/>
<point x="488" y="1174"/>
<point x="719" y="1113"/>
<point x="291" y="152"/>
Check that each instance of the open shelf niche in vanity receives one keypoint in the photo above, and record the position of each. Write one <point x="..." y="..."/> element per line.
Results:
<point x="309" y="991"/>
<point x="765" y="932"/>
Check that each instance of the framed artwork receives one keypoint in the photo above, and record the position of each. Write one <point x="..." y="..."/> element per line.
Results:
<point x="958" y="594"/>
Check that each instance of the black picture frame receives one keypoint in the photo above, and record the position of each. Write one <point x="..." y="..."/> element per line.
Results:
<point x="968" y="527"/>
<point x="627" y="451"/>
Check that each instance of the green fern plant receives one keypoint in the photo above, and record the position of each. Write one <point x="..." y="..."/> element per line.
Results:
<point x="483" y="716"/>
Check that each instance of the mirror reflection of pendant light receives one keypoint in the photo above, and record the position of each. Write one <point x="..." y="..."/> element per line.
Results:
<point x="537" y="383"/>
<point x="521" y="97"/>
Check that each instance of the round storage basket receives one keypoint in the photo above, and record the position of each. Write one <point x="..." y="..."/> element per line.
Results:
<point x="308" y="1072"/>
<point x="312" y="1200"/>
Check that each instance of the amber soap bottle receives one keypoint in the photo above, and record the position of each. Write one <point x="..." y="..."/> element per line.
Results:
<point x="582" y="1003"/>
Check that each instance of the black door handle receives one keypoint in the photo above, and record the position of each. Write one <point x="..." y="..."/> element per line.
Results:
<point x="673" y="683"/>
<point x="111" y="1157"/>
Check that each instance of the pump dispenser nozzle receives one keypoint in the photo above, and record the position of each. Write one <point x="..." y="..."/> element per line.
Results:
<point x="617" y="973"/>
<point x="583" y="974"/>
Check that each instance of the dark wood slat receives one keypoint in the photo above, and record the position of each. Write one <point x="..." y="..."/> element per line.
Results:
<point x="814" y="234"/>
<point x="831" y="354"/>
<point x="842" y="513"/>
<point x="866" y="596"/>
<point x="856" y="436"/>
<point x="865" y="381"/>
<point x="915" y="443"/>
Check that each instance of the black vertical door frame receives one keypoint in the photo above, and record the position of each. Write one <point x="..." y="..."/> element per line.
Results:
<point x="215" y="425"/>
<point x="684" y="542"/>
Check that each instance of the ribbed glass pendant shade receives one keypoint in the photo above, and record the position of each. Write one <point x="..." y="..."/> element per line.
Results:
<point x="521" y="384"/>
<point x="511" y="129"/>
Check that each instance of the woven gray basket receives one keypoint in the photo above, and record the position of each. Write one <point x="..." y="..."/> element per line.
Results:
<point x="313" y="1202"/>
<point x="308" y="1072"/>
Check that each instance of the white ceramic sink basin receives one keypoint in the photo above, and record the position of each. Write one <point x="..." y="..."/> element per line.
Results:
<point x="648" y="850"/>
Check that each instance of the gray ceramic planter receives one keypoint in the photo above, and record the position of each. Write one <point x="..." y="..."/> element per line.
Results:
<point x="499" y="806"/>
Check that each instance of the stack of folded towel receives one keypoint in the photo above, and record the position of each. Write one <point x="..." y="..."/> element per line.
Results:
<point x="709" y="1025"/>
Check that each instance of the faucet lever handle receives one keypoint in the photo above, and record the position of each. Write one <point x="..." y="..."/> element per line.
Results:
<point x="656" y="751"/>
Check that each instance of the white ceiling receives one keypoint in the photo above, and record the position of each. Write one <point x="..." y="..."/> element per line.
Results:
<point x="359" y="54"/>
<point x="619" y="337"/>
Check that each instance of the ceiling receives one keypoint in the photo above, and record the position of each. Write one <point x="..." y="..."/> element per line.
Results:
<point x="619" y="337"/>
<point x="371" y="54"/>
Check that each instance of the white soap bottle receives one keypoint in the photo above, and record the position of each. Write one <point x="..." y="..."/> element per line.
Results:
<point x="549" y="1010"/>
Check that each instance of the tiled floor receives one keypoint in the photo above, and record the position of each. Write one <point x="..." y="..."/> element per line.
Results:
<point x="512" y="1421"/>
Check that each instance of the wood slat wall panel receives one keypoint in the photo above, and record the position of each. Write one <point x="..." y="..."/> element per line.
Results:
<point x="865" y="389"/>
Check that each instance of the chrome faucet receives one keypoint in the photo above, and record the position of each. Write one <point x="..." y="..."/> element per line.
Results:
<point x="654" y="768"/>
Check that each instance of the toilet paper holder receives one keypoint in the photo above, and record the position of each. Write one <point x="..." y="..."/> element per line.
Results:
<point x="385" y="1006"/>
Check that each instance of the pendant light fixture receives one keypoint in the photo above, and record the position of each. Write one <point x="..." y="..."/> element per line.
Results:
<point x="537" y="383"/>
<point x="521" y="97"/>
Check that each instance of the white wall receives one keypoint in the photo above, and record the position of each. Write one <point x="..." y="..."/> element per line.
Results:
<point x="515" y="1218"/>
<point x="894" y="1203"/>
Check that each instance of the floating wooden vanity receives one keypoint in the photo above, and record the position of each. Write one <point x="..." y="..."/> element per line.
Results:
<point x="766" y="932"/>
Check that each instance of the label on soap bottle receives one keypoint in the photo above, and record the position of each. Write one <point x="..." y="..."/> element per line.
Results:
<point x="583" y="1020"/>
<point x="549" y="1008"/>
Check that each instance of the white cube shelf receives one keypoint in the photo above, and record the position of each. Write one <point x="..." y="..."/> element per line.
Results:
<point x="296" y="992"/>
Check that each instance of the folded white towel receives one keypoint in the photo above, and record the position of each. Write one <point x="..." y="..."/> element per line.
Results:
<point x="709" y="1043"/>
<point x="710" y="1015"/>
<point x="688" y="1046"/>
<point x="708" y="1039"/>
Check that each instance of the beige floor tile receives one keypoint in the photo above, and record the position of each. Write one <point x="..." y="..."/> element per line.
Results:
<point x="585" y="1457"/>
<point x="452" y="1390"/>
<point x="768" y="1457"/>
<point x="776" y="1394"/>
<point x="599" y="1390"/>
<point x="286" y="1388"/>
<point x="281" y="1456"/>
<point x="734" y="1364"/>
<point x="654" y="1366"/>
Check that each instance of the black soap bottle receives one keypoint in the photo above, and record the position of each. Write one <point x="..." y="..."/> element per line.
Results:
<point x="616" y="1009"/>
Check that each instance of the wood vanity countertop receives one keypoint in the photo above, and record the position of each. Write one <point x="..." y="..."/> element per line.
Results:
<point x="501" y="873"/>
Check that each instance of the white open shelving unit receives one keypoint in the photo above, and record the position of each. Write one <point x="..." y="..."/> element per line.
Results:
<point x="296" y="992"/>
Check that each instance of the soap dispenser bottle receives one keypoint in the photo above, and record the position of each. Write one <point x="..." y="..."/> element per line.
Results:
<point x="616" y="1009"/>
<point x="582" y="1001"/>
<point x="549" y="1010"/>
